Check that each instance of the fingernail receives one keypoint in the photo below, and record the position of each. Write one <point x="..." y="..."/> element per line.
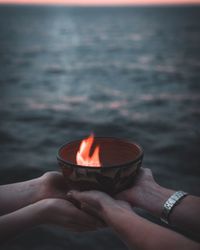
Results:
<point x="69" y="194"/>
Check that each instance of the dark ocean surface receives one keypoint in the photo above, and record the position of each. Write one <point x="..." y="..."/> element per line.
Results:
<point x="128" y="72"/>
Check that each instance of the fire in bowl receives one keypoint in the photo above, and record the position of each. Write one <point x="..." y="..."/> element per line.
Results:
<point x="101" y="163"/>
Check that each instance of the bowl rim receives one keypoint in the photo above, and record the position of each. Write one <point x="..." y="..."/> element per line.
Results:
<point x="140" y="155"/>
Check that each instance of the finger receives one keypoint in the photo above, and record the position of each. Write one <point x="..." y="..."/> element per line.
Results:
<point x="96" y="199"/>
<point x="90" y="210"/>
<point x="146" y="171"/>
<point x="75" y="202"/>
<point x="55" y="172"/>
<point x="84" y="219"/>
<point x="88" y="197"/>
<point x="122" y="195"/>
<point x="53" y="175"/>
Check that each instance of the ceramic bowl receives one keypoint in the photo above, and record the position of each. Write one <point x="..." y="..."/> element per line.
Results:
<point x="120" y="161"/>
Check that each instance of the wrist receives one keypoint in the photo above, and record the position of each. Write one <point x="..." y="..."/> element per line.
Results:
<point x="46" y="211"/>
<point x="150" y="197"/>
<point x="109" y="214"/>
<point x="36" y="212"/>
<point x="29" y="216"/>
<point x="113" y="211"/>
<point x="40" y="211"/>
<point x="115" y="216"/>
<point x="35" y="189"/>
<point x="41" y="187"/>
<point x="19" y="221"/>
<point x="154" y="198"/>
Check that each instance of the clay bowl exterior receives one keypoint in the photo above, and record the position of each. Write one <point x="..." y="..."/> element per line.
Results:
<point x="120" y="161"/>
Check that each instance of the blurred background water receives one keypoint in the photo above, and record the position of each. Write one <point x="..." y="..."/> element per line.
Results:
<point x="129" y="72"/>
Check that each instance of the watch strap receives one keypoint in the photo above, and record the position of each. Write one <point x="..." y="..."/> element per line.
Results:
<point x="168" y="206"/>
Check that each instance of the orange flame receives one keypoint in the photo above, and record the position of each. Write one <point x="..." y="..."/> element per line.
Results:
<point x="83" y="157"/>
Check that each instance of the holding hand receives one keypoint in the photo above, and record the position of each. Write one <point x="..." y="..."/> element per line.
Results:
<point x="146" y="193"/>
<point x="49" y="185"/>
<point x="63" y="213"/>
<point x="40" y="201"/>
<point x="150" y="196"/>
<point x="98" y="203"/>
<point x="135" y="231"/>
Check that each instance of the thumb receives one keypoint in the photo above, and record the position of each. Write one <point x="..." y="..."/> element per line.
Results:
<point x="87" y="198"/>
<point x="88" y="202"/>
<point x="94" y="212"/>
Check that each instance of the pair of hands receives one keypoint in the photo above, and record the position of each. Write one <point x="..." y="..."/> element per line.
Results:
<point x="47" y="200"/>
<point x="94" y="205"/>
<point x="97" y="209"/>
<point x="54" y="208"/>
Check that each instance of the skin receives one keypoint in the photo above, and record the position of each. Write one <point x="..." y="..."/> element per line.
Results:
<point x="136" y="232"/>
<point x="40" y="201"/>
<point x="43" y="201"/>
<point x="49" y="185"/>
<point x="149" y="195"/>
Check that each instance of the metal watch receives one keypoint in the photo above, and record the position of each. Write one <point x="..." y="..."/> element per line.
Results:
<point x="173" y="200"/>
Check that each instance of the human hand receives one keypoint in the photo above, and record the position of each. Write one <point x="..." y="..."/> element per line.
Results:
<point x="58" y="212"/>
<point x="130" y="227"/>
<point x="52" y="185"/>
<point x="143" y="183"/>
<point x="49" y="185"/>
<point x="99" y="204"/>
<point x="146" y="193"/>
<point x="63" y="213"/>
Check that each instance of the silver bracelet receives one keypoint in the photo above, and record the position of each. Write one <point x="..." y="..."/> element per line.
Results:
<point x="173" y="200"/>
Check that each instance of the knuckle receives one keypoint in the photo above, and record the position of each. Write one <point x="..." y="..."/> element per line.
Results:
<point x="51" y="176"/>
<point x="48" y="176"/>
<point x="148" y="170"/>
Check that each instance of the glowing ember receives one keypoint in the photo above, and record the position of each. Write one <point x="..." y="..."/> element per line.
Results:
<point x="83" y="157"/>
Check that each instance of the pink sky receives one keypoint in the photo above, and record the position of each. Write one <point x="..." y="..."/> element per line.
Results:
<point x="101" y="2"/>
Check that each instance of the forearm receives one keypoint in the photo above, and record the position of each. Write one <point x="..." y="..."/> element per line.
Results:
<point x="138" y="233"/>
<point x="184" y="215"/>
<point x="18" y="195"/>
<point x="19" y="221"/>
